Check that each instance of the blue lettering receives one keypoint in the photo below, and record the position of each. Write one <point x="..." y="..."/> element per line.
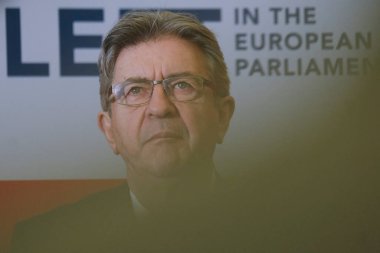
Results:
<point x="204" y="15"/>
<point x="15" y="65"/>
<point x="68" y="41"/>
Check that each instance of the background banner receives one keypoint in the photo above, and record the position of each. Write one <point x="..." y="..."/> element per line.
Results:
<point x="305" y="76"/>
<point x="299" y="72"/>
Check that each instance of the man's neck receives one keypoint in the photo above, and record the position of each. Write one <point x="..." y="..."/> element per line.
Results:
<point x="164" y="194"/>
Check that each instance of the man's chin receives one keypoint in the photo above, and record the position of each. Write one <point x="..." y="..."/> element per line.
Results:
<point x="165" y="159"/>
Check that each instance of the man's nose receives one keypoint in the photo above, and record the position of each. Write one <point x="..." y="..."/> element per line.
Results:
<point x="160" y="104"/>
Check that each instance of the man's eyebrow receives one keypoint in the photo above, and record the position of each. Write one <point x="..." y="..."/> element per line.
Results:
<point x="139" y="79"/>
<point x="185" y="73"/>
<point x="136" y="79"/>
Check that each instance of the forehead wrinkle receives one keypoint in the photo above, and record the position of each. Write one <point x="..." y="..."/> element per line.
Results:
<point x="159" y="67"/>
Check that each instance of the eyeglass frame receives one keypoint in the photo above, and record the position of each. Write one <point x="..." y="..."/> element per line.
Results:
<point x="164" y="83"/>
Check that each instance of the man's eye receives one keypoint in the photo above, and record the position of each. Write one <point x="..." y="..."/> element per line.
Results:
<point x="182" y="85"/>
<point x="134" y="91"/>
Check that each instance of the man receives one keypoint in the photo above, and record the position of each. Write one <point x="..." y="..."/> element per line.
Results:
<point x="165" y="97"/>
<point x="166" y="103"/>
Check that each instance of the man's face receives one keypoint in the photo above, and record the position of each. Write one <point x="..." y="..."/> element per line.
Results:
<point x="162" y="138"/>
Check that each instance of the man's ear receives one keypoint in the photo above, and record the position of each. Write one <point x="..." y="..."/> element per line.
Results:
<point x="105" y="125"/>
<point x="226" y="109"/>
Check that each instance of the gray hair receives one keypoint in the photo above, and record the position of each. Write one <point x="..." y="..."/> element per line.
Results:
<point x="142" y="26"/>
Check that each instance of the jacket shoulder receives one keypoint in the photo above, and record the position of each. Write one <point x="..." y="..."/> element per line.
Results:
<point x="78" y="227"/>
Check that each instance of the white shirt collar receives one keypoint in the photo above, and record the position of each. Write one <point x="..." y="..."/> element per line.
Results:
<point x="138" y="209"/>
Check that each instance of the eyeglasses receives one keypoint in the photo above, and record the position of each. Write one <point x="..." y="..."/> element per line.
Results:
<point x="138" y="92"/>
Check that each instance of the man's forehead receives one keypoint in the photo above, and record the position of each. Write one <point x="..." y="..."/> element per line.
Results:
<point x="158" y="59"/>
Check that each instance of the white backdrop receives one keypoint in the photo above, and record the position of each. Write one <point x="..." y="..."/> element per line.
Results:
<point x="285" y="117"/>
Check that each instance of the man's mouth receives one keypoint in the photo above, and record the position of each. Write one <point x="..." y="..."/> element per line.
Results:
<point x="164" y="136"/>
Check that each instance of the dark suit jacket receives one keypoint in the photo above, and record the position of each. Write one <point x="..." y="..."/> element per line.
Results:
<point x="271" y="215"/>
<point x="105" y="222"/>
<point x="99" y="223"/>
